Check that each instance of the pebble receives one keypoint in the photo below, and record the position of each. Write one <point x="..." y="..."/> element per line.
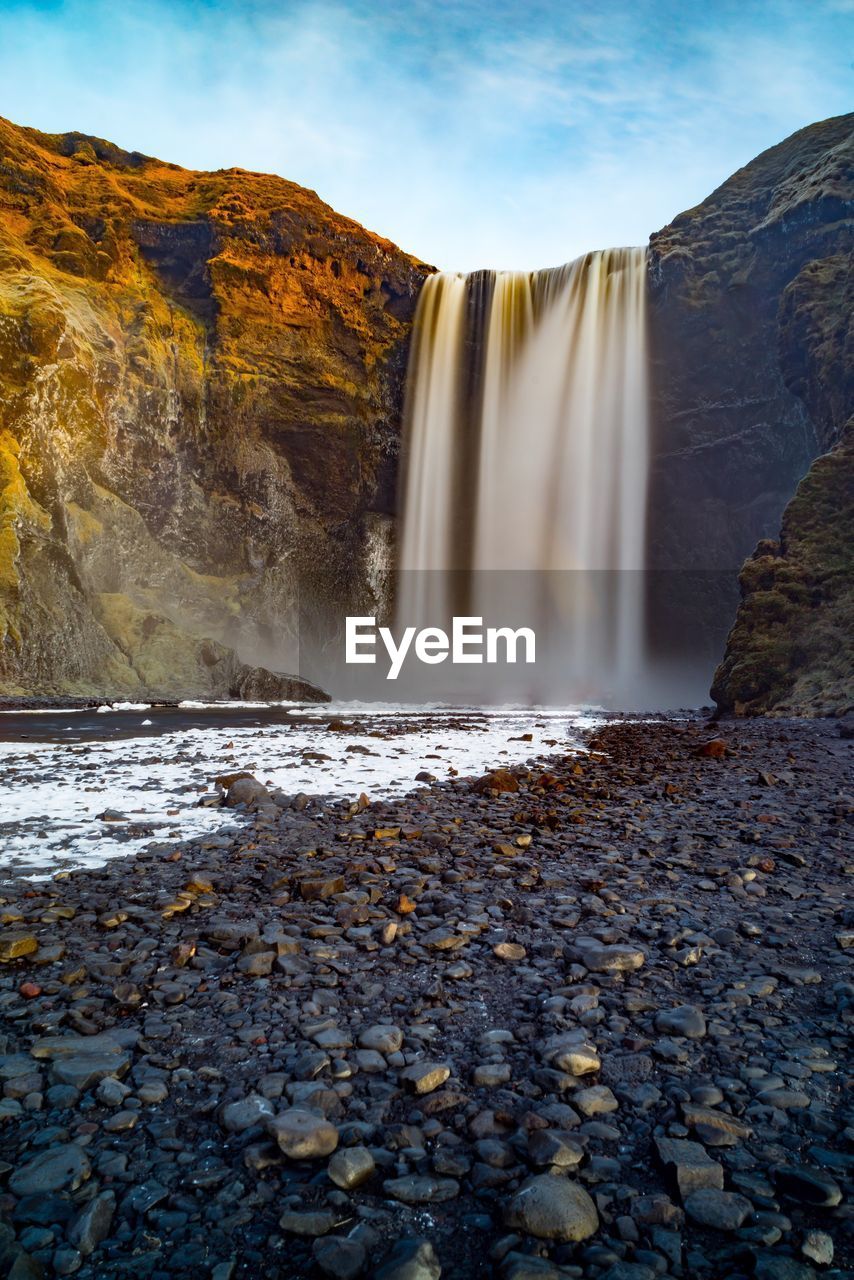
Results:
<point x="280" y="1049"/>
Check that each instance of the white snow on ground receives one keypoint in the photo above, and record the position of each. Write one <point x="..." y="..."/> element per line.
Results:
<point x="53" y="794"/>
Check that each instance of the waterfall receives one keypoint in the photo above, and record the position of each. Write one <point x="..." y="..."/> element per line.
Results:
<point x="526" y="461"/>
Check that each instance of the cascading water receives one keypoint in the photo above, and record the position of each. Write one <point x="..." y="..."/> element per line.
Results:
<point x="527" y="461"/>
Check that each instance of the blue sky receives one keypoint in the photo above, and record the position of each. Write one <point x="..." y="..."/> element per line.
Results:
<point x="472" y="132"/>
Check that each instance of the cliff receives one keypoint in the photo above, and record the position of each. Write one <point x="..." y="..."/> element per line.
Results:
<point x="791" y="650"/>
<point x="750" y="304"/>
<point x="200" y="389"/>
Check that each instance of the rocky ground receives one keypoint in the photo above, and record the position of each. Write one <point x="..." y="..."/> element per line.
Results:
<point x="589" y="1017"/>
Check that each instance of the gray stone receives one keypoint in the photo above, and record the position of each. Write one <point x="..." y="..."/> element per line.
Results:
<point x="548" y="1147"/>
<point x="723" y="1210"/>
<point x="86" y="1070"/>
<point x="421" y="1189"/>
<point x="818" y="1247"/>
<point x="410" y="1260"/>
<point x="248" y="791"/>
<point x="310" y="1222"/>
<point x="116" y="1041"/>
<point x="237" y="1117"/>
<point x="773" y="1266"/>
<point x="302" y="1135"/>
<point x="598" y="1100"/>
<point x="383" y="1038"/>
<point x="350" y="1167"/>
<point x="685" y="1020"/>
<point x="552" y="1208"/>
<point x="56" y="1169"/>
<point x="340" y="1258"/>
<point x="111" y="1092"/>
<point x="489" y="1075"/>
<point x="691" y="1165"/>
<point x="92" y="1224"/>
<point x="617" y="958"/>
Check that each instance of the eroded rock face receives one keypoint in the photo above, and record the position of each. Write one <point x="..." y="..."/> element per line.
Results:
<point x="200" y="391"/>
<point x="750" y="307"/>
<point x="790" y="650"/>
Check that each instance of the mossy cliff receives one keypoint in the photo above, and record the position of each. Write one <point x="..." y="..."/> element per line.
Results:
<point x="200" y="390"/>
<point x="754" y="380"/>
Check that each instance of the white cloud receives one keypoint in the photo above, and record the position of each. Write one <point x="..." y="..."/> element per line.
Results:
<point x="472" y="133"/>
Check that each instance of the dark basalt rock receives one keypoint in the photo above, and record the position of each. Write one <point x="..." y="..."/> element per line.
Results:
<point x="750" y="307"/>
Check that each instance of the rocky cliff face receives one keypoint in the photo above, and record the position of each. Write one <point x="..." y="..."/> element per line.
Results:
<point x="200" y="389"/>
<point x="791" y="650"/>
<point x="750" y="316"/>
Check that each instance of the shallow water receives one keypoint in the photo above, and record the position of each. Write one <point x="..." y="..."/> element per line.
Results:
<point x="146" y="768"/>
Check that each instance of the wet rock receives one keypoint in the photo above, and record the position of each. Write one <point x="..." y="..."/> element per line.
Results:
<point x="116" y="1041"/>
<point x="716" y="1128"/>
<point x="321" y="888"/>
<point x="511" y="951"/>
<point x="552" y="1208"/>
<point x="548" y="1147"/>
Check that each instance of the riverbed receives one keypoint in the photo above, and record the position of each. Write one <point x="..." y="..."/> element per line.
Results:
<point x="83" y="786"/>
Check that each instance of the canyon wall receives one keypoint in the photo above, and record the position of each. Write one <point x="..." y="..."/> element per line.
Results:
<point x="752" y="369"/>
<point x="200" y="392"/>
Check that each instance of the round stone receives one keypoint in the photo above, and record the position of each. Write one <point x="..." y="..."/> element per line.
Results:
<point x="382" y="1038"/>
<point x="302" y="1135"/>
<point x="552" y="1208"/>
<point x="685" y="1020"/>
